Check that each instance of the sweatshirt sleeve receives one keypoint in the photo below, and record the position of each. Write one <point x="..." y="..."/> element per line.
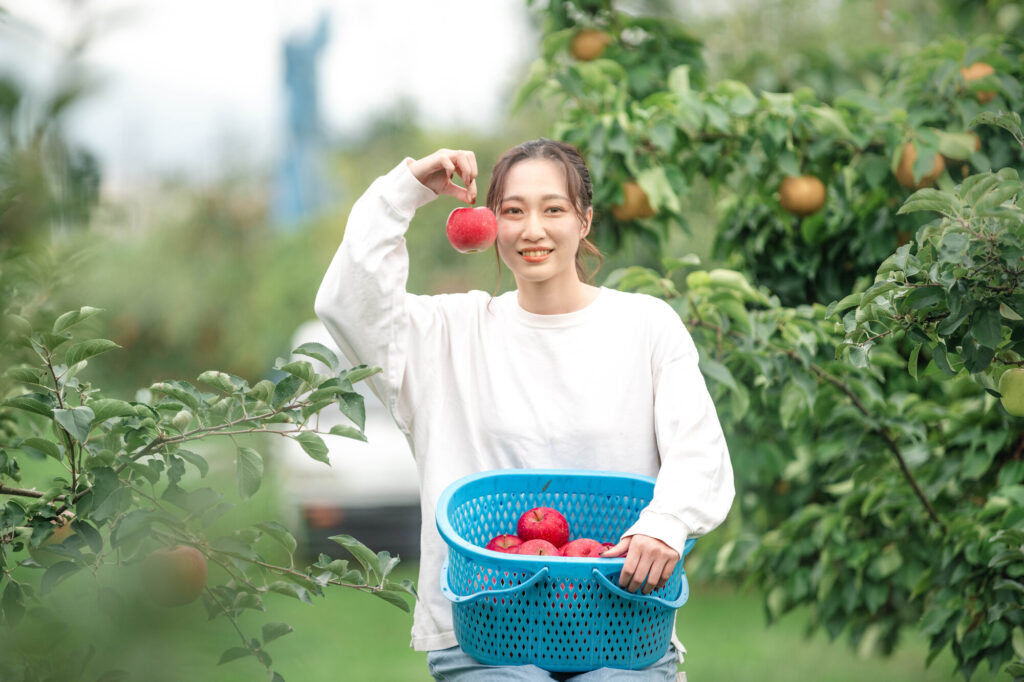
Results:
<point x="362" y="299"/>
<point x="694" y="488"/>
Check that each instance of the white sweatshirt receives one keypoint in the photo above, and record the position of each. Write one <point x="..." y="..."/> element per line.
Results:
<point x="477" y="383"/>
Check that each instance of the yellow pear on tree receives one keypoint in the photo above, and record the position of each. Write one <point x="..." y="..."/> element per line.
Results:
<point x="634" y="203"/>
<point x="905" y="169"/>
<point x="975" y="72"/>
<point x="174" y="576"/>
<point x="802" y="195"/>
<point x="589" y="44"/>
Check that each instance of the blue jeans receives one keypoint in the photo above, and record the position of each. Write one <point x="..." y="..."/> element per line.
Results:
<point x="455" y="665"/>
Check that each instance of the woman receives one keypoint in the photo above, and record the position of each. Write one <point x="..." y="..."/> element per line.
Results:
<point x="556" y="374"/>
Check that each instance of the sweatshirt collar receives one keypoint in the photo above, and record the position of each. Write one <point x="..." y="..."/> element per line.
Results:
<point x="560" y="320"/>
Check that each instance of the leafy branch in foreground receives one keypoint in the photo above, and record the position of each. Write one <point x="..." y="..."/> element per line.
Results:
<point x="128" y="494"/>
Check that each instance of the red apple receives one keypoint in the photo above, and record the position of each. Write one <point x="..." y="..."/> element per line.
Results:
<point x="543" y="523"/>
<point x="583" y="547"/>
<point x="504" y="543"/>
<point x="539" y="547"/>
<point x="472" y="229"/>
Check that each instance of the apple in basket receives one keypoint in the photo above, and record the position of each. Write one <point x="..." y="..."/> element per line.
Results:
<point x="538" y="547"/>
<point x="583" y="547"/>
<point x="543" y="523"/>
<point x="504" y="543"/>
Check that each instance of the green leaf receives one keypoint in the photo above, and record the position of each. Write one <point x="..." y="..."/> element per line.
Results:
<point x="301" y="369"/>
<point x="227" y="383"/>
<point x="13" y="603"/>
<point x="262" y="391"/>
<point x="181" y="391"/>
<point x="347" y="431"/>
<point x="924" y="297"/>
<point x="352" y="406"/>
<point x="976" y="357"/>
<point x="234" y="653"/>
<point x="314" y="446"/>
<point x="249" y="467"/>
<point x="41" y="446"/>
<point x="279" y="533"/>
<point x="363" y="554"/>
<point x="361" y="372"/>
<point x="1009" y="121"/>
<point x="792" y="404"/>
<point x="73" y="317"/>
<point x="940" y="359"/>
<point x="320" y="352"/>
<point x="291" y="590"/>
<point x="107" y="408"/>
<point x="659" y="190"/>
<point x="845" y="303"/>
<point x="87" y="349"/>
<point x="88" y="533"/>
<point x="37" y="403"/>
<point x="285" y="390"/>
<point x="912" y="361"/>
<point x="272" y="631"/>
<point x="987" y="327"/>
<point x="977" y="186"/>
<point x="198" y="461"/>
<point x="56" y="574"/>
<point x="717" y="371"/>
<point x="1018" y="632"/>
<point x="394" y="598"/>
<point x="76" y="421"/>
<point x="27" y="375"/>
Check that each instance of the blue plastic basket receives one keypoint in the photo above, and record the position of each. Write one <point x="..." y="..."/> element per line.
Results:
<point x="560" y="614"/>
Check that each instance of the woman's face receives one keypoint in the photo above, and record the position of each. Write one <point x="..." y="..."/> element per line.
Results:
<point x="538" y="230"/>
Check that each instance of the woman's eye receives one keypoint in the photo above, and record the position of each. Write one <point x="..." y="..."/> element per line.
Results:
<point x="511" y="210"/>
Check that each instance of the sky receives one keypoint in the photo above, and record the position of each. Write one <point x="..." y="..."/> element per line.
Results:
<point x="188" y="82"/>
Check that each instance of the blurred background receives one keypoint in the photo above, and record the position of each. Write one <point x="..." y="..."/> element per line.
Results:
<point x="187" y="166"/>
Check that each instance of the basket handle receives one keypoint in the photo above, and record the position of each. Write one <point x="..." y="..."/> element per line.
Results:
<point x="684" y="592"/>
<point x="467" y="598"/>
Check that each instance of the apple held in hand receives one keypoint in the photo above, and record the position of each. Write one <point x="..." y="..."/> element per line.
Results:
<point x="504" y="543"/>
<point x="538" y="547"/>
<point x="472" y="229"/>
<point x="583" y="547"/>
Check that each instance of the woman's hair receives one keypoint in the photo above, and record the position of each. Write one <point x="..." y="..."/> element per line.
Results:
<point x="577" y="175"/>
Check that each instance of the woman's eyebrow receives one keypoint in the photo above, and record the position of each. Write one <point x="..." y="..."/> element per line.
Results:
<point x="546" y="197"/>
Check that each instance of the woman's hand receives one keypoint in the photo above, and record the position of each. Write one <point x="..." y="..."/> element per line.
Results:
<point x="436" y="171"/>
<point x="647" y="559"/>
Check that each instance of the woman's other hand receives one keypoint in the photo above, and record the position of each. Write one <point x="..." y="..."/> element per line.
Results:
<point x="437" y="170"/>
<point x="647" y="559"/>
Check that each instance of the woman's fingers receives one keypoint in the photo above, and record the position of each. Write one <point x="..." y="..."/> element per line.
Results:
<point x="649" y="561"/>
<point x="462" y="163"/>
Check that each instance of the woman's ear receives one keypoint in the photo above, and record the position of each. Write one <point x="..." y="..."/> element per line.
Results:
<point x="585" y="228"/>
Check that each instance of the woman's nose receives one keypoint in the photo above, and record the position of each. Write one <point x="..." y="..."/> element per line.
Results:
<point x="534" y="228"/>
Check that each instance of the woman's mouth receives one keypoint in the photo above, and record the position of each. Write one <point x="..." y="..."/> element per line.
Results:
<point x="535" y="255"/>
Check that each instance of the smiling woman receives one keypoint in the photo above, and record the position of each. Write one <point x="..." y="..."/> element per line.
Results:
<point x="479" y="383"/>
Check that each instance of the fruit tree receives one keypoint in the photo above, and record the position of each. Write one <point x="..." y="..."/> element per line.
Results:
<point x="858" y="336"/>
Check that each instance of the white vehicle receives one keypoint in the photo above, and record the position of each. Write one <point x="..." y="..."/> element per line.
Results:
<point x="370" y="490"/>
